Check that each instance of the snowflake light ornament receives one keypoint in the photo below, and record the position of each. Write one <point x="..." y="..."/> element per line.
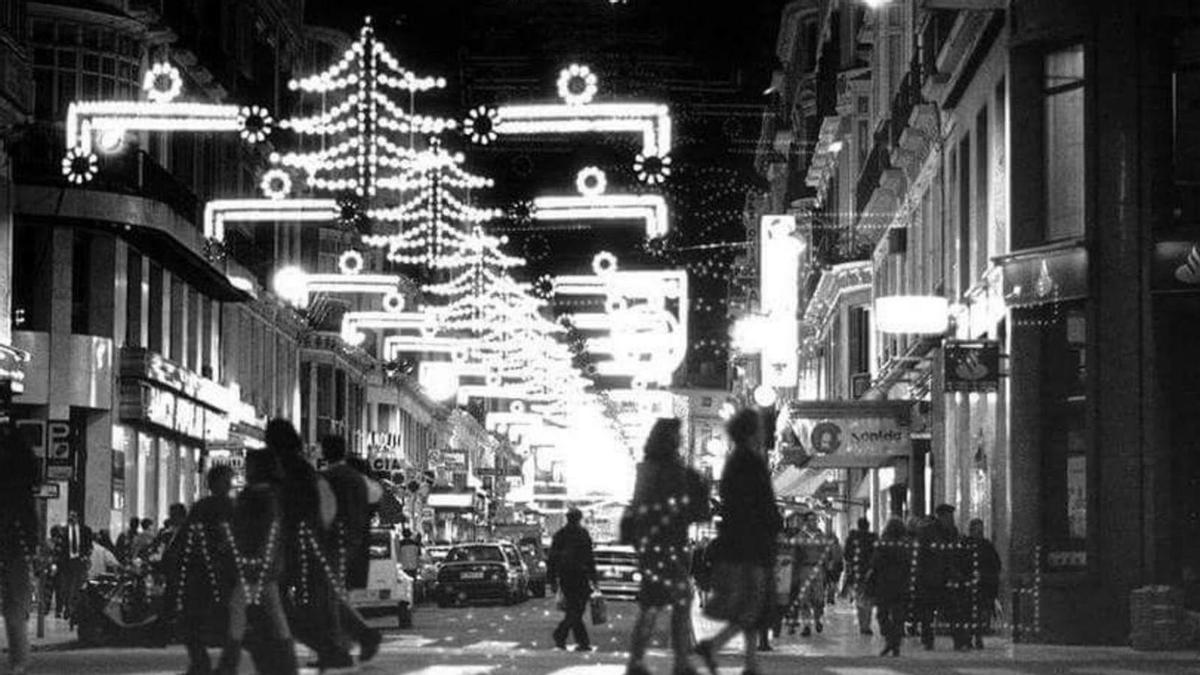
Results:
<point x="652" y="169"/>
<point x="255" y="122"/>
<point x="591" y="181"/>
<point x="80" y="167"/>
<point x="350" y="262"/>
<point x="604" y="263"/>
<point x="480" y="125"/>
<point x="276" y="184"/>
<point x="577" y="85"/>
<point x="162" y="82"/>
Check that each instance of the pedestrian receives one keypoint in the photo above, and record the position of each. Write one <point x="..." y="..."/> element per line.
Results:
<point x="860" y="546"/>
<point x="572" y="572"/>
<point x="744" y="545"/>
<point x="409" y="553"/>
<point x="309" y="508"/>
<point x="835" y="566"/>
<point x="73" y="561"/>
<point x="668" y="497"/>
<point x="202" y="563"/>
<point x="702" y="570"/>
<point x="143" y="543"/>
<point x="786" y="584"/>
<point x="817" y="552"/>
<point x="102" y="561"/>
<point x="256" y="540"/>
<point x="55" y="550"/>
<point x="125" y="541"/>
<point x="18" y="541"/>
<point x="355" y="493"/>
<point x="985" y="562"/>
<point x="886" y="583"/>
<point x="935" y="567"/>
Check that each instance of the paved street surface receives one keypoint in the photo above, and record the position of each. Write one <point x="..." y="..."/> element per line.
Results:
<point x="516" y="640"/>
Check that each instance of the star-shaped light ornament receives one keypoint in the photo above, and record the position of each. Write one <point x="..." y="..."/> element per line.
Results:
<point x="577" y="85"/>
<point x="80" y="167"/>
<point x="162" y="82"/>
<point x="652" y="169"/>
<point x="481" y="124"/>
<point x="256" y="123"/>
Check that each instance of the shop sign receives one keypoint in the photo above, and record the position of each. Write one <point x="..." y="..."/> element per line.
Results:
<point x="831" y="434"/>
<point x="46" y="491"/>
<point x="1043" y="277"/>
<point x="60" y="455"/>
<point x="972" y="366"/>
<point x="143" y="402"/>
<point x="455" y="458"/>
<point x="118" y="470"/>
<point x="506" y="471"/>
<point x="1176" y="267"/>
<point x="386" y="465"/>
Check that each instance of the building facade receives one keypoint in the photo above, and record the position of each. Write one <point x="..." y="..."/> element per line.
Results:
<point x="1028" y="165"/>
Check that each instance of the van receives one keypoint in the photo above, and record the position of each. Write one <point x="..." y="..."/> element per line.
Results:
<point x="388" y="589"/>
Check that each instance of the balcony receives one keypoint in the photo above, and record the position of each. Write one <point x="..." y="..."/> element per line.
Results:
<point x="887" y="137"/>
<point x="37" y="160"/>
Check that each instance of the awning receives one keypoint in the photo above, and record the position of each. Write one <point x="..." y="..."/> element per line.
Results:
<point x="793" y="482"/>
<point x="850" y="461"/>
<point x="452" y="501"/>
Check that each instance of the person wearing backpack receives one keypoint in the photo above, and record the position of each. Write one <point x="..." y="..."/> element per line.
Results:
<point x="572" y="571"/>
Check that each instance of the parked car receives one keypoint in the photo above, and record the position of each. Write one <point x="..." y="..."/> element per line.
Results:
<point x="388" y="589"/>
<point x="617" y="574"/>
<point x="482" y="571"/>
<point x="535" y="563"/>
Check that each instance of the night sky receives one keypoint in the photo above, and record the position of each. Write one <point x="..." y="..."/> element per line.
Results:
<point x="710" y="65"/>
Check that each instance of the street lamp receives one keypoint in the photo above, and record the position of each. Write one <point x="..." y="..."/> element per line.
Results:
<point x="912" y="314"/>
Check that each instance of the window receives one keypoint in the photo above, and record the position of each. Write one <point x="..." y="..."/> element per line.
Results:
<point x="31" y="269"/>
<point x="133" y="299"/>
<point x="983" y="221"/>
<point x="963" y="202"/>
<point x="73" y="62"/>
<point x="155" y="343"/>
<point x="1063" y="85"/>
<point x="1186" y="104"/>
<point x="858" y="347"/>
<point x="81" y="281"/>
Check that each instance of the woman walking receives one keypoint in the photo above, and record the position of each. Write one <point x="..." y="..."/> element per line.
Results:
<point x="745" y="544"/>
<point x="891" y="564"/>
<point x="667" y="498"/>
<point x="255" y="541"/>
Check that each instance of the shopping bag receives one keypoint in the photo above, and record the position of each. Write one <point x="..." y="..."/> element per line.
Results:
<point x="599" y="610"/>
<point x="560" y="601"/>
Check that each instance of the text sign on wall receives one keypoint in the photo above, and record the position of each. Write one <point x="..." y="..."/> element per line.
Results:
<point x="841" y="434"/>
<point x="972" y="366"/>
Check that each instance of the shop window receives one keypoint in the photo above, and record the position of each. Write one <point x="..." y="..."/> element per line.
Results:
<point x="32" y="267"/>
<point x="1064" y="491"/>
<point x="1063" y="89"/>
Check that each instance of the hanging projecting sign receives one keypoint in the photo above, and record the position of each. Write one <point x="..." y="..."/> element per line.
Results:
<point x="972" y="366"/>
<point x="60" y="456"/>
<point x="844" y="434"/>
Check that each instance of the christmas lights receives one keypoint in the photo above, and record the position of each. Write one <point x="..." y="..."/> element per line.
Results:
<point x="591" y="181"/>
<point x="650" y="209"/>
<point x="276" y="184"/>
<point x="86" y="118"/>
<point x="577" y="85"/>
<point x="480" y="125"/>
<point x="221" y="211"/>
<point x="162" y="82"/>
<point x="652" y="121"/>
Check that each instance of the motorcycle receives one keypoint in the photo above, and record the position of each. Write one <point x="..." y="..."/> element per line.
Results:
<point x="123" y="608"/>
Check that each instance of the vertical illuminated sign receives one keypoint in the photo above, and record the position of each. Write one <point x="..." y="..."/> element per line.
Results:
<point x="779" y="275"/>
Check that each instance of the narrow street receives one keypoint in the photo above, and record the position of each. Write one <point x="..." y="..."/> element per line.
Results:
<point x="515" y="640"/>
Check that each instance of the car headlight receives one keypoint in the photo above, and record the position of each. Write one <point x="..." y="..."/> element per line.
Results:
<point x="637" y="576"/>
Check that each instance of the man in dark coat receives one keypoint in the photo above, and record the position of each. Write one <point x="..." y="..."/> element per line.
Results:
<point x="18" y="540"/>
<point x="985" y="563"/>
<point x="73" y="561"/>
<point x="936" y="573"/>
<point x="572" y="570"/>
<point x="860" y="545"/>
<point x="347" y="538"/>
<point x="203" y="541"/>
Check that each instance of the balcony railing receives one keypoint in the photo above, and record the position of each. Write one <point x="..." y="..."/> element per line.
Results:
<point x="907" y="96"/>
<point x="37" y="159"/>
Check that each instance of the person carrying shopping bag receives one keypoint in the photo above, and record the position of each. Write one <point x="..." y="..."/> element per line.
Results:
<point x="571" y="572"/>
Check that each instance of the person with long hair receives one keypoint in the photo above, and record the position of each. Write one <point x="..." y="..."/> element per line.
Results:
<point x="745" y="541"/>
<point x="309" y="508"/>
<point x="256" y="543"/>
<point x="667" y="498"/>
<point x="18" y="540"/>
